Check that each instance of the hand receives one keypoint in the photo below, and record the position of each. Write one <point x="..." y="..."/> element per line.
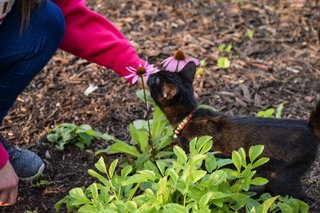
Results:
<point x="8" y="185"/>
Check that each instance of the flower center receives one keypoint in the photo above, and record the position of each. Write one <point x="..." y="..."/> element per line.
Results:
<point x="140" y="71"/>
<point x="179" y="55"/>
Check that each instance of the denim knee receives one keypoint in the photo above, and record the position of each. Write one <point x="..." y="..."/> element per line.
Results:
<point x="50" y="23"/>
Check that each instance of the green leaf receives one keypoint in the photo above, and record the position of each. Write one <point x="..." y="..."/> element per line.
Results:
<point x="174" y="208"/>
<point x="140" y="124"/>
<point x="205" y="199"/>
<point x="236" y="160"/>
<point x="173" y="175"/>
<point x="260" y="162"/>
<point x="182" y="157"/>
<point x="267" y="204"/>
<point x="218" y="177"/>
<point x="101" y="166"/>
<point x="304" y="207"/>
<point x="121" y="147"/>
<point x="142" y="176"/>
<point x="204" y="144"/>
<point x="112" y="167"/>
<point x="126" y="170"/>
<point x="140" y="137"/>
<point x="161" y="164"/>
<point x="249" y="34"/>
<point x="197" y="175"/>
<point x="94" y="191"/>
<point x="279" y="110"/>
<point x="79" y="196"/>
<point x="99" y="177"/>
<point x="255" y="151"/>
<point x="53" y="137"/>
<point x="259" y="181"/>
<point x="223" y="62"/>
<point x="266" y="114"/>
<point x="211" y="162"/>
<point x="223" y="162"/>
<point x="243" y="157"/>
<point x="285" y="208"/>
<point x="228" y="48"/>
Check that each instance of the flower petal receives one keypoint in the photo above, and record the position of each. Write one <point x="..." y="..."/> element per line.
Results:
<point x="134" y="79"/>
<point x="129" y="76"/>
<point x="172" y="66"/>
<point x="131" y="69"/>
<point x="181" y="65"/>
<point x="196" y="61"/>
<point x="165" y="62"/>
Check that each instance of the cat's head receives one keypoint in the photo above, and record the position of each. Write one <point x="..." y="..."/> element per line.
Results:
<point x="173" y="88"/>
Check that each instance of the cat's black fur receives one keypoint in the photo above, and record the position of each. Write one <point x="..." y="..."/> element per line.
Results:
<point x="290" y="144"/>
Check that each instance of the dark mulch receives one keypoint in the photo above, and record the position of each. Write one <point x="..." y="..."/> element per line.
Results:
<point x="280" y="65"/>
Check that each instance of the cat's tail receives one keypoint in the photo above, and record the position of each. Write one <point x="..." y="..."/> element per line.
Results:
<point x="314" y="119"/>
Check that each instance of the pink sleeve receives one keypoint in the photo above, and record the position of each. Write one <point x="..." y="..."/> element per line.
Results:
<point x="92" y="37"/>
<point x="3" y="156"/>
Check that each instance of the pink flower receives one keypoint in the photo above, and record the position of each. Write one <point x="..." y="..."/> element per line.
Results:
<point x="177" y="62"/>
<point x="144" y="71"/>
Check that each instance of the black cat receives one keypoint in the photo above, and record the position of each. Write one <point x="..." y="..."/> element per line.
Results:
<point x="290" y="144"/>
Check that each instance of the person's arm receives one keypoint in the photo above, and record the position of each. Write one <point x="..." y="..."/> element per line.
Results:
<point x="3" y="156"/>
<point x="92" y="37"/>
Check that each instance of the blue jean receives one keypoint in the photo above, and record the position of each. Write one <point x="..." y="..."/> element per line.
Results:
<point x="23" y="54"/>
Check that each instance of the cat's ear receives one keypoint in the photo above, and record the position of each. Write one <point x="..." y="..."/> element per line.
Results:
<point x="189" y="71"/>
<point x="169" y="91"/>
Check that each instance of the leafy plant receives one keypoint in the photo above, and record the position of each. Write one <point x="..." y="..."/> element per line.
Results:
<point x="199" y="71"/>
<point x="194" y="182"/>
<point x="80" y="136"/>
<point x="223" y="61"/>
<point x="272" y="112"/>
<point x="249" y="34"/>
<point x="142" y="149"/>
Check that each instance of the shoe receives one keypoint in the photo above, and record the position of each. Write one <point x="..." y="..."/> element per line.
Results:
<point x="27" y="165"/>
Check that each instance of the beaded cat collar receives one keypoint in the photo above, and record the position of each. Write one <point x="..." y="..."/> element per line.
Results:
<point x="177" y="131"/>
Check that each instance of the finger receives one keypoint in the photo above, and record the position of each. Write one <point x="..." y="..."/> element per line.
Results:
<point x="13" y="197"/>
<point x="4" y="198"/>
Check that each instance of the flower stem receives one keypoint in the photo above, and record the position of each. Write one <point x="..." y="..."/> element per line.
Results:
<point x="147" y="108"/>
